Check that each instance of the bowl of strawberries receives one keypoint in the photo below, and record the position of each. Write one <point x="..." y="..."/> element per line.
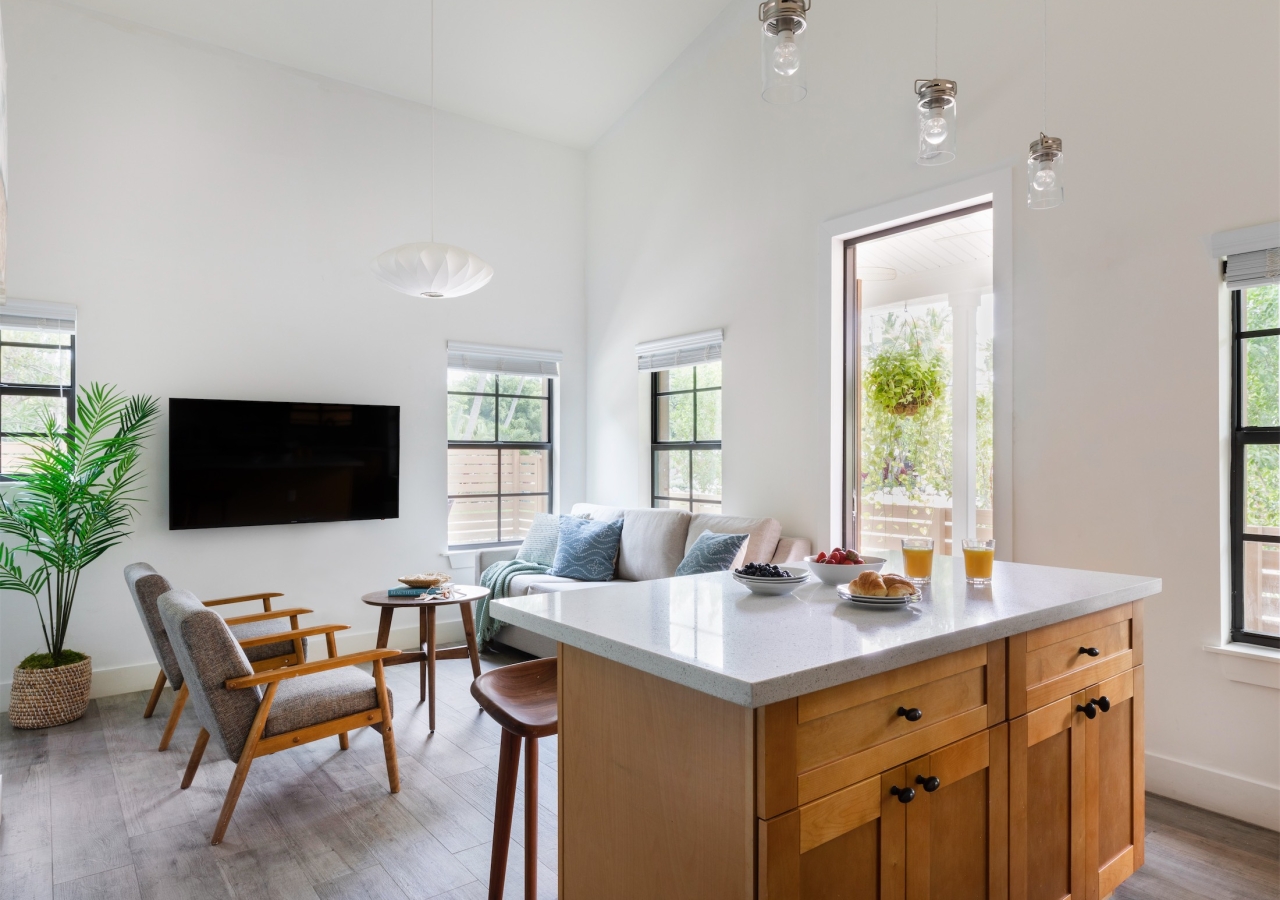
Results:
<point x="840" y="566"/>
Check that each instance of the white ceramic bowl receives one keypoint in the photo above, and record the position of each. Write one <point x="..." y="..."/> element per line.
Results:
<point x="771" y="587"/>
<point x="843" y="574"/>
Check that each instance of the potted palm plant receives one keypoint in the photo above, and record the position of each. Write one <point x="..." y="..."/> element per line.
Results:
<point x="71" y="503"/>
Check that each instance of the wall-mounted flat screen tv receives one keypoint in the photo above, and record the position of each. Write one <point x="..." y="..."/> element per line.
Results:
<point x="241" y="462"/>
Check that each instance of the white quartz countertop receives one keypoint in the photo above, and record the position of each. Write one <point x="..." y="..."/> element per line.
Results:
<point x="711" y="634"/>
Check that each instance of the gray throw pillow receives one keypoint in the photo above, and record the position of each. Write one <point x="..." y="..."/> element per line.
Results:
<point x="711" y="552"/>
<point x="586" y="550"/>
<point x="540" y="543"/>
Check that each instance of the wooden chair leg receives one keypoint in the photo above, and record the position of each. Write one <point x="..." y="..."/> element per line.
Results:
<point x="344" y="743"/>
<point x="246" y="760"/>
<point x="469" y="629"/>
<point x="431" y="667"/>
<point x="388" y="731"/>
<point x="531" y="818"/>
<point x="155" y="696"/>
<point x="174" y="715"/>
<point x="504" y="809"/>
<point x="194" y="762"/>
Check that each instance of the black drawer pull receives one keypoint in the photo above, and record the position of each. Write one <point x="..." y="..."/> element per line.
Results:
<point x="1102" y="703"/>
<point x="911" y="715"/>
<point x="904" y="795"/>
<point x="1090" y="651"/>
<point x="931" y="783"/>
<point x="1088" y="709"/>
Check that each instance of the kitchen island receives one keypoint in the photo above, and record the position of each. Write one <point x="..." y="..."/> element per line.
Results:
<point x="984" y="742"/>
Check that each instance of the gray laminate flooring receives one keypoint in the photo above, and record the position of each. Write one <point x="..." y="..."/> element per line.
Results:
<point x="91" y="810"/>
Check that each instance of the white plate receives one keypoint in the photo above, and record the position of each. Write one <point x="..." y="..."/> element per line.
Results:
<point x="800" y="576"/>
<point x="770" y="587"/>
<point x="843" y="593"/>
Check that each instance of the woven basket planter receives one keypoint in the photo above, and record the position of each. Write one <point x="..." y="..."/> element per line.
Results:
<point x="43" y="698"/>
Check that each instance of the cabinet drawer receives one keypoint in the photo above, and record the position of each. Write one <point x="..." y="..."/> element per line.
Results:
<point x="828" y="740"/>
<point x="1054" y="662"/>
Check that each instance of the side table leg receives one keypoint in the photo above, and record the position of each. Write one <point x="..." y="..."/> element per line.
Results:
<point x="422" y="666"/>
<point x="384" y="628"/>
<point x="431" y="667"/>
<point x="469" y="628"/>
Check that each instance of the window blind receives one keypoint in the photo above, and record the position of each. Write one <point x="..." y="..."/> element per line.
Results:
<point x="507" y="360"/>
<point x="31" y="315"/>
<point x="1255" y="267"/>
<point x="688" y="350"/>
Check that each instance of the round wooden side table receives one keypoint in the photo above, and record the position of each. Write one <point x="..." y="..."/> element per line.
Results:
<point x="460" y="595"/>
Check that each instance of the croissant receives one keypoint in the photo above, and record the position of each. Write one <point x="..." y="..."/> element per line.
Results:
<point x="898" y="589"/>
<point x="868" y="584"/>
<point x="890" y="580"/>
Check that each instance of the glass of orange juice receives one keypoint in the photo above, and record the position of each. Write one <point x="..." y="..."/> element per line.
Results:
<point x="979" y="557"/>
<point x="917" y="559"/>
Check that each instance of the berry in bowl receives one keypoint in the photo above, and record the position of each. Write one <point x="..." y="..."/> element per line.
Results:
<point x="841" y="566"/>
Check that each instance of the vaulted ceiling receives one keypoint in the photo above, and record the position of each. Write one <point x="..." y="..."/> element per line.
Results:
<point x="563" y="71"/>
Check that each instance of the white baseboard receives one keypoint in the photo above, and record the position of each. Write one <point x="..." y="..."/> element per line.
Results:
<point x="142" y="677"/>
<point x="1220" y="792"/>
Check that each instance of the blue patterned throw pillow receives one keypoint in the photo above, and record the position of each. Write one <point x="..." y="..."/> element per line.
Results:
<point x="540" y="543"/>
<point x="711" y="552"/>
<point x="587" y="549"/>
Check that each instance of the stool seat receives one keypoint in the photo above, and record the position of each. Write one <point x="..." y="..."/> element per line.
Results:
<point x="521" y="697"/>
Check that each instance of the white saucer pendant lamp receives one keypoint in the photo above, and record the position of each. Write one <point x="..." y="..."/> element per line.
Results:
<point x="432" y="270"/>
<point x="428" y="269"/>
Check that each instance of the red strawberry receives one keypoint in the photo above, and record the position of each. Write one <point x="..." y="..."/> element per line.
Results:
<point x="821" y="557"/>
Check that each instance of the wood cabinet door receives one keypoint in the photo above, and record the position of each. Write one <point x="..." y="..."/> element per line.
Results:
<point x="849" y="845"/>
<point x="957" y="822"/>
<point x="1116" y="799"/>
<point x="1048" y="782"/>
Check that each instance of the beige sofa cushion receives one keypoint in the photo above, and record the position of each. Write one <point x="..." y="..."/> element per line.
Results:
<point x="762" y="535"/>
<point x="595" y="512"/>
<point x="653" y="543"/>
<point x="521" y="584"/>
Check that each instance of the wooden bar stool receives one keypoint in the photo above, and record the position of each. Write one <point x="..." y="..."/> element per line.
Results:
<point x="522" y="699"/>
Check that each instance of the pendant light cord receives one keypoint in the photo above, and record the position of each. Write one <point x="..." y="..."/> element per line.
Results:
<point x="935" y="39"/>
<point x="432" y="192"/>
<point x="1044" y="74"/>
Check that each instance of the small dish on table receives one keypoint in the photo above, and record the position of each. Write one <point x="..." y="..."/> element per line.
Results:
<point x="425" y="580"/>
<point x="843" y="573"/>
<point x="769" y="580"/>
<point x="889" y="591"/>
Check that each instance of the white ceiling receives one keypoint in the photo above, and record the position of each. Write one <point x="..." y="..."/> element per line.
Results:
<point x="564" y="71"/>
<point x="951" y="242"/>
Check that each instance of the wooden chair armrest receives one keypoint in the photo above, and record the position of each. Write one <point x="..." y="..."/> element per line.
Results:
<point x="278" y="636"/>
<point x="265" y="598"/>
<point x="265" y="616"/>
<point x="310" y="668"/>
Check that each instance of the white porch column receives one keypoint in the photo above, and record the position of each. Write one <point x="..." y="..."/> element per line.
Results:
<point x="964" y="416"/>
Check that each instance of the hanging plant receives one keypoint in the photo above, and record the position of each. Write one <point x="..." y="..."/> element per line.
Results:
<point x="906" y="379"/>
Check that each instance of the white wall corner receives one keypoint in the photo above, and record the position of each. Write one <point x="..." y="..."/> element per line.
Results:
<point x="1248" y="663"/>
<point x="1244" y="240"/>
<point x="1214" y="790"/>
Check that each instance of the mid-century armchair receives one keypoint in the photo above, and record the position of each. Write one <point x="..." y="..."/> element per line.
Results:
<point x="255" y="714"/>
<point x="266" y="642"/>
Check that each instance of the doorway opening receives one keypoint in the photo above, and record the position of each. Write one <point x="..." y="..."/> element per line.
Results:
<point x="919" y="335"/>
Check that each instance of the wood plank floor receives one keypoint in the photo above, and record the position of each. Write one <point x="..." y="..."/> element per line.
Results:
<point x="91" y="810"/>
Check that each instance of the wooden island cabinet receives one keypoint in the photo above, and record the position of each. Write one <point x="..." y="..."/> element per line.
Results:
<point x="1006" y="769"/>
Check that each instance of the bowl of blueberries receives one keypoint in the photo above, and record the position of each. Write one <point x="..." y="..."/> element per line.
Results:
<point x="769" y="580"/>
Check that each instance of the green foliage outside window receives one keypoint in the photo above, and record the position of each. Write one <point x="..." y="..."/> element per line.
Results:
<point x="1262" y="406"/>
<point x="512" y="419"/>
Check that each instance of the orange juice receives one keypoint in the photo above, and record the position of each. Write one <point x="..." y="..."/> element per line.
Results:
<point x="979" y="558"/>
<point x="918" y="562"/>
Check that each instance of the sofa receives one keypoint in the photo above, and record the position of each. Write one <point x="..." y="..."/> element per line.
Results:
<point x="653" y="543"/>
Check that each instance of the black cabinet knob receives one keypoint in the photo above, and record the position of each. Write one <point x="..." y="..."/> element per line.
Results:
<point x="911" y="715"/>
<point x="1090" y="651"/>
<point x="904" y="795"/>
<point x="1088" y="709"/>
<point x="931" y="783"/>
<point x="1102" y="703"/>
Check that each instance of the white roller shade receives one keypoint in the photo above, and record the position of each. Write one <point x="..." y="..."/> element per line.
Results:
<point x="31" y="315"/>
<point x="688" y="350"/>
<point x="1255" y="267"/>
<point x="507" y="360"/>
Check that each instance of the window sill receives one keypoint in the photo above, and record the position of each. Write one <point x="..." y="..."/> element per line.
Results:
<point x="1248" y="664"/>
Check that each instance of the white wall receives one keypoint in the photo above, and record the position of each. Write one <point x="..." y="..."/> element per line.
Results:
<point x="214" y="218"/>
<point x="704" y="208"/>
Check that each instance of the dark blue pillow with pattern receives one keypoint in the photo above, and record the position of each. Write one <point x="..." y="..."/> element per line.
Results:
<point x="711" y="552"/>
<point x="586" y="550"/>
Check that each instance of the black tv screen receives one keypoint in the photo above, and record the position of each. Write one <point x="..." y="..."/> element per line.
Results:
<point x="242" y="462"/>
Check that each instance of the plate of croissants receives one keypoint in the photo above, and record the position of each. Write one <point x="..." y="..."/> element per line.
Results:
<point x="880" y="590"/>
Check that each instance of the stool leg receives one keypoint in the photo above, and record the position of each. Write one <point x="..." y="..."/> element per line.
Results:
<point x="508" y="772"/>
<point x="431" y="667"/>
<point x="530" y="818"/>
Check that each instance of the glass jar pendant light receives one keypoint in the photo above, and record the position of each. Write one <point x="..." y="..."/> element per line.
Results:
<point x="936" y="107"/>
<point x="1044" y="159"/>
<point x="782" y="45"/>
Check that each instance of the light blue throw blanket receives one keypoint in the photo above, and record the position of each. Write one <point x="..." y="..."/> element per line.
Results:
<point x="497" y="578"/>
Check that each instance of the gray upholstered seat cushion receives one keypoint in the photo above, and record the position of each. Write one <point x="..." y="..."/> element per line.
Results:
<point x="322" y="697"/>
<point x="209" y="655"/>
<point x="652" y="543"/>
<point x="248" y="630"/>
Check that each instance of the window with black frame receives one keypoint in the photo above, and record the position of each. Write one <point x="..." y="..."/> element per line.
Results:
<point x="1255" y="464"/>
<point x="500" y="455"/>
<point x="686" y="437"/>
<point x="37" y="381"/>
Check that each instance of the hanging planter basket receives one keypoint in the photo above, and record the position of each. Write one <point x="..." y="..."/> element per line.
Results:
<point x="905" y="381"/>
<point x="43" y="698"/>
